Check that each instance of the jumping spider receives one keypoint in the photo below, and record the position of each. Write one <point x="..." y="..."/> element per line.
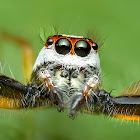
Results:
<point x="66" y="74"/>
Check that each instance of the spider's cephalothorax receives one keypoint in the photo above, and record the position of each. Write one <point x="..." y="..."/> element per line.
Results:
<point x="69" y="66"/>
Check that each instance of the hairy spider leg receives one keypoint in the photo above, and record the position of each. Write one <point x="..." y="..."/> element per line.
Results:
<point x="27" y="53"/>
<point x="124" y="107"/>
<point x="14" y="95"/>
<point x="11" y="93"/>
<point x="127" y="105"/>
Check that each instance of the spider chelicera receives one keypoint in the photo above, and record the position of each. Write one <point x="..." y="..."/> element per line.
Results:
<point x="66" y="74"/>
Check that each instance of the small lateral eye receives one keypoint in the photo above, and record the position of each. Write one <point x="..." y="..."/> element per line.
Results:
<point x="50" y="41"/>
<point x="95" y="46"/>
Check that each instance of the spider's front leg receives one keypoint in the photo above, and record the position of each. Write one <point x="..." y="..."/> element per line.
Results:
<point x="11" y="93"/>
<point x="54" y="96"/>
<point x="80" y="99"/>
<point x="14" y="95"/>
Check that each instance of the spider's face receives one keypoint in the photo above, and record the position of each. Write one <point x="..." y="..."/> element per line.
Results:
<point x="70" y="61"/>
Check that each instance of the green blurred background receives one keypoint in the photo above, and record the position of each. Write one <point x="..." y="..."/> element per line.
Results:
<point x="117" y="21"/>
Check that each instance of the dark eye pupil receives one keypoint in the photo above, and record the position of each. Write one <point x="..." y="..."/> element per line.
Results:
<point x="94" y="46"/>
<point x="50" y="41"/>
<point x="63" y="46"/>
<point x="82" y="48"/>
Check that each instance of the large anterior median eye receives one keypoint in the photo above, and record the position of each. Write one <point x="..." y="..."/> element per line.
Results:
<point x="82" y="48"/>
<point x="63" y="46"/>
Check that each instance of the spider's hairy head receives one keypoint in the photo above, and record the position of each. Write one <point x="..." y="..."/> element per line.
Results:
<point x="70" y="61"/>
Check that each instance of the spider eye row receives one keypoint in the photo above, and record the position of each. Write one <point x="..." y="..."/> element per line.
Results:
<point x="63" y="46"/>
